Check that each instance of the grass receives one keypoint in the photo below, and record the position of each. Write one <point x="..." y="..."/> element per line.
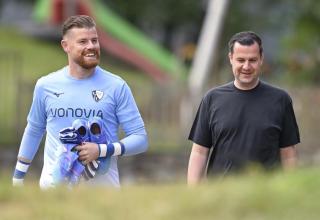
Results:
<point x="253" y="196"/>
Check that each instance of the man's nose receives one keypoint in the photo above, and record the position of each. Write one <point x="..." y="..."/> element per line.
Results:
<point x="91" y="44"/>
<point x="246" y="65"/>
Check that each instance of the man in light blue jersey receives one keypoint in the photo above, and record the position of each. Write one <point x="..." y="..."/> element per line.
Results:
<point x="81" y="90"/>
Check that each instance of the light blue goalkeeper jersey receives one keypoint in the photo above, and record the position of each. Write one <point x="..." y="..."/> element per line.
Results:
<point x="59" y="99"/>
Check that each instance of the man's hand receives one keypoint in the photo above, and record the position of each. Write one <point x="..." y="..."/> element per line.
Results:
<point x="88" y="152"/>
<point x="17" y="182"/>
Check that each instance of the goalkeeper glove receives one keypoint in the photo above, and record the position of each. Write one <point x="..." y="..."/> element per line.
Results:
<point x="97" y="135"/>
<point x="69" y="168"/>
<point x="76" y="134"/>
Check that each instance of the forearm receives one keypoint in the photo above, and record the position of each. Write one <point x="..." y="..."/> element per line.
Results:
<point x="135" y="144"/>
<point x="288" y="157"/>
<point x="130" y="145"/>
<point x="28" y="148"/>
<point x="30" y="142"/>
<point x="197" y="164"/>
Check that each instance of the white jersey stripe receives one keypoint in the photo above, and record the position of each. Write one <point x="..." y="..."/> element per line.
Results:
<point x="103" y="150"/>
<point x="22" y="167"/>
<point x="117" y="149"/>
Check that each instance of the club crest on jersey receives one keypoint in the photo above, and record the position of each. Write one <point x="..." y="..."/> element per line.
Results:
<point x="97" y="95"/>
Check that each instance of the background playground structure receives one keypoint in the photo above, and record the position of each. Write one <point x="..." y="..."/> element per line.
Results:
<point x="117" y="37"/>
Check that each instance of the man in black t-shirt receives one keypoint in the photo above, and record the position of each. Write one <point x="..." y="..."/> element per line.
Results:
<point x="246" y="121"/>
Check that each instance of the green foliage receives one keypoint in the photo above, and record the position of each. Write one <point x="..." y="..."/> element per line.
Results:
<point x="23" y="60"/>
<point x="289" y="30"/>
<point x="161" y="16"/>
<point x="159" y="12"/>
<point x="38" y="57"/>
<point x="301" y="53"/>
<point x="253" y="196"/>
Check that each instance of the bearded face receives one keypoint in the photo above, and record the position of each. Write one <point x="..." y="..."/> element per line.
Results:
<point x="82" y="47"/>
<point x="88" y="58"/>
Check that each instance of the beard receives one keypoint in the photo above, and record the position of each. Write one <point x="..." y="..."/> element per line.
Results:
<point x="88" y="63"/>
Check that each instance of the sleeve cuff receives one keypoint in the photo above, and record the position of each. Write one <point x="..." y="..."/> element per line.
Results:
<point x="113" y="149"/>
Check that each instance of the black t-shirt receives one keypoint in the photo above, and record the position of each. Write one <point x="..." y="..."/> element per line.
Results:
<point x="244" y="126"/>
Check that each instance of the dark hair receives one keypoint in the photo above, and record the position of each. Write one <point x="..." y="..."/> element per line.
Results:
<point x="78" y="21"/>
<point x="245" y="38"/>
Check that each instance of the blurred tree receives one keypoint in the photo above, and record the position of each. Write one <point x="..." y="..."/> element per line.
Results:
<point x="263" y="18"/>
<point x="289" y="28"/>
<point x="162" y="17"/>
<point x="301" y="54"/>
<point x="290" y="32"/>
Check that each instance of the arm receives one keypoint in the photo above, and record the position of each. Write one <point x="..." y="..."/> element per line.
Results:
<point x="29" y="146"/>
<point x="130" y="145"/>
<point x="89" y="152"/>
<point x="134" y="143"/>
<point x="31" y="137"/>
<point x="197" y="163"/>
<point x="130" y="120"/>
<point x="289" y="138"/>
<point x="288" y="157"/>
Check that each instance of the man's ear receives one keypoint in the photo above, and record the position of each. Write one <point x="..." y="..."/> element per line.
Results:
<point x="64" y="45"/>
<point x="230" y="57"/>
<point x="262" y="58"/>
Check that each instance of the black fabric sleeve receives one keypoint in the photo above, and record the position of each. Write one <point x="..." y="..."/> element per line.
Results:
<point x="200" y="131"/>
<point x="290" y="131"/>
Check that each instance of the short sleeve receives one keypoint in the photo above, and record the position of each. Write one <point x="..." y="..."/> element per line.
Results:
<point x="290" y="131"/>
<point x="200" y="131"/>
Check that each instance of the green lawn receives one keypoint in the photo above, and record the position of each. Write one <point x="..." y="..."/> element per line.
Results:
<point x="254" y="196"/>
